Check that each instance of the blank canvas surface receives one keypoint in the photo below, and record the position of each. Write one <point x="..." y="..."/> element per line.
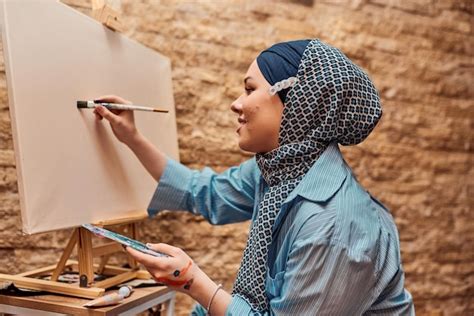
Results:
<point x="71" y="169"/>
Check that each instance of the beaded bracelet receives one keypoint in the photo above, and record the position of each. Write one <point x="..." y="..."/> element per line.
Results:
<point x="212" y="298"/>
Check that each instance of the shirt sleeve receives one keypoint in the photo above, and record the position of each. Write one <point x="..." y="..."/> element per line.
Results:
<point x="222" y="198"/>
<point x="321" y="278"/>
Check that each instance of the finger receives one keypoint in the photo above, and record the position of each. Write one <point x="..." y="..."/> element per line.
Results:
<point x="165" y="248"/>
<point x="95" y="113"/>
<point x="109" y="116"/>
<point x="111" y="98"/>
<point x="155" y="275"/>
<point x="116" y="112"/>
<point x="147" y="260"/>
<point x="107" y="98"/>
<point x="97" y="116"/>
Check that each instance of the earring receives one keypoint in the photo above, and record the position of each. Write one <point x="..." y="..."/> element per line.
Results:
<point x="284" y="84"/>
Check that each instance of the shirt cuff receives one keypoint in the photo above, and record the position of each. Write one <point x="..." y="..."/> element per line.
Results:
<point x="239" y="306"/>
<point x="173" y="189"/>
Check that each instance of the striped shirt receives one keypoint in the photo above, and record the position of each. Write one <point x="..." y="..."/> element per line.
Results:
<point x="335" y="248"/>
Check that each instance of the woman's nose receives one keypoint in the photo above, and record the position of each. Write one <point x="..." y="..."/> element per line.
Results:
<point x="236" y="106"/>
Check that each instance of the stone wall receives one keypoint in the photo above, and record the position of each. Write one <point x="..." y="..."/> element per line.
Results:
<point x="418" y="160"/>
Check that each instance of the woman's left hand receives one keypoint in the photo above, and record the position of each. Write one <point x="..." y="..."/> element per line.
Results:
<point x="178" y="271"/>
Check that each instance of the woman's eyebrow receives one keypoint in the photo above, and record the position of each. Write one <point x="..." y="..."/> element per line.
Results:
<point x="247" y="78"/>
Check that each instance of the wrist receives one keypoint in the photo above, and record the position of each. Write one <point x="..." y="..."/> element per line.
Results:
<point x="135" y="139"/>
<point x="206" y="290"/>
<point x="203" y="287"/>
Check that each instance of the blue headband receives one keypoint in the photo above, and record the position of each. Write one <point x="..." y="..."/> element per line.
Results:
<point x="281" y="61"/>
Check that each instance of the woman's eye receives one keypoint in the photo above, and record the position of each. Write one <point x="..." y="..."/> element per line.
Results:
<point x="248" y="90"/>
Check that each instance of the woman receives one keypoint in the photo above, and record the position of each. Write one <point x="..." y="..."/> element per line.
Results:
<point x="319" y="243"/>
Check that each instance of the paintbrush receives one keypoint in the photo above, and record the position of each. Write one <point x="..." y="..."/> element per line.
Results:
<point x="112" y="298"/>
<point x="116" y="106"/>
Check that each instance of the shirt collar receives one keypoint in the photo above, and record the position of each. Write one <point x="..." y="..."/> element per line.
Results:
<point x="324" y="178"/>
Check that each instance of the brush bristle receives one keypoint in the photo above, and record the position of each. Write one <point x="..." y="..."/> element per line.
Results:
<point x="81" y="104"/>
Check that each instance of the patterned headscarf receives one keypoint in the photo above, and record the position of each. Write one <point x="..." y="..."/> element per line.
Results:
<point x="332" y="100"/>
<point x="281" y="61"/>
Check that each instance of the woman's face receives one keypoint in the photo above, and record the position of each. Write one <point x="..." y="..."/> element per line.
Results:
<point x="259" y="113"/>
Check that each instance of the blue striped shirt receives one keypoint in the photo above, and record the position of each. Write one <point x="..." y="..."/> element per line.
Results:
<point x="335" y="248"/>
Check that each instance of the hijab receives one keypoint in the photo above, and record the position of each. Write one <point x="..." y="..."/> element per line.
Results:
<point x="280" y="62"/>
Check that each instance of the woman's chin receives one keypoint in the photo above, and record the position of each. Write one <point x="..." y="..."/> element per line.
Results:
<point x="245" y="146"/>
<point x="252" y="147"/>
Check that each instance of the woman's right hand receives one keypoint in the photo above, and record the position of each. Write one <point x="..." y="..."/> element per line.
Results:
<point x="122" y="122"/>
<point x="123" y="126"/>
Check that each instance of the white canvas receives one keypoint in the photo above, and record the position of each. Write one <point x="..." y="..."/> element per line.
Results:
<point x="71" y="169"/>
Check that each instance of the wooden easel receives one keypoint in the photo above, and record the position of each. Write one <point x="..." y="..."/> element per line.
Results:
<point x="87" y="287"/>
<point x="106" y="15"/>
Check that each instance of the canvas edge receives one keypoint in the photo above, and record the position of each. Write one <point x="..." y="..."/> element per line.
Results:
<point x="26" y="229"/>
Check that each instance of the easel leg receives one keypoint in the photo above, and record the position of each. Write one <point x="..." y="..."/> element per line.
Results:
<point x="103" y="263"/>
<point x="65" y="256"/>
<point x="133" y="231"/>
<point x="84" y="253"/>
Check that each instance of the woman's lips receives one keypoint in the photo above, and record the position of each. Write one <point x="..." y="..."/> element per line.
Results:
<point x="242" y="122"/>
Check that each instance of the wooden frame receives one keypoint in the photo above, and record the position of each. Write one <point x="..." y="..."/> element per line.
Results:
<point x="87" y="287"/>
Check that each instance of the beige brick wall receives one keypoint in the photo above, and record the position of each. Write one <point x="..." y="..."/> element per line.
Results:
<point x="418" y="160"/>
